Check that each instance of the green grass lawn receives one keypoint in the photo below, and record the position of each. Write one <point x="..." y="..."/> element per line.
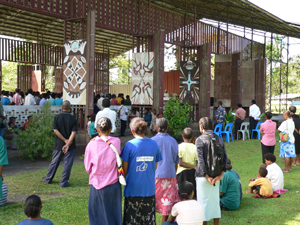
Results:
<point x="70" y="205"/>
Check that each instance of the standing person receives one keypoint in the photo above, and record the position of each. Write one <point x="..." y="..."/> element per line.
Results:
<point x="33" y="207"/>
<point x="96" y="108"/>
<point x="208" y="187"/>
<point x="92" y="130"/>
<point x="105" y="199"/>
<point x="127" y="100"/>
<point x="113" y="100"/>
<point x="230" y="189"/>
<point x="187" y="153"/>
<point x="2" y="118"/>
<point x="3" y="162"/>
<point x="296" y="120"/>
<point x="17" y="99"/>
<point x="153" y="121"/>
<point x="166" y="186"/>
<point x="123" y="112"/>
<point x="65" y="128"/>
<point x="268" y="140"/>
<point x="99" y="102"/>
<point x="29" y="99"/>
<point x="140" y="156"/>
<point x="254" y="113"/>
<point x="5" y="100"/>
<point x="287" y="149"/>
<point x="240" y="114"/>
<point x="147" y="117"/>
<point x="110" y="114"/>
<point x="220" y="114"/>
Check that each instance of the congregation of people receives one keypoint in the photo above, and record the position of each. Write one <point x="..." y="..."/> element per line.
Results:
<point x="181" y="181"/>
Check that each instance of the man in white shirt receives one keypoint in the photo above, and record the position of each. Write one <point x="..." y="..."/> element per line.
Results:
<point x="99" y="103"/>
<point x="275" y="173"/>
<point x="254" y="113"/>
<point x="29" y="99"/>
<point x="108" y="113"/>
<point x="123" y="112"/>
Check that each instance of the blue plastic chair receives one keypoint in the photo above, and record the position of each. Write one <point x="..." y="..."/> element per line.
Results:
<point x="218" y="129"/>
<point x="227" y="131"/>
<point x="256" y="130"/>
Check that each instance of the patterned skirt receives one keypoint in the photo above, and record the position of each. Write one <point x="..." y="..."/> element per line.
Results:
<point x="287" y="149"/>
<point x="166" y="194"/>
<point x="139" y="211"/>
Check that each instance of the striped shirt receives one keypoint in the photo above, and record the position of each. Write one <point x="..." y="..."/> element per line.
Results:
<point x="3" y="201"/>
<point x="17" y="99"/>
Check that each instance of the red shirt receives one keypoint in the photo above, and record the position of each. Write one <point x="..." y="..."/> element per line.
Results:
<point x="25" y="125"/>
<point x="114" y="102"/>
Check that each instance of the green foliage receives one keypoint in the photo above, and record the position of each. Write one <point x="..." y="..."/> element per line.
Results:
<point x="262" y="117"/>
<point x="123" y="65"/>
<point x="9" y="76"/>
<point x="229" y="118"/>
<point x="37" y="141"/>
<point x="177" y="115"/>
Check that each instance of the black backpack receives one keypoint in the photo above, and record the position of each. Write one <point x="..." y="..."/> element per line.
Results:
<point x="215" y="156"/>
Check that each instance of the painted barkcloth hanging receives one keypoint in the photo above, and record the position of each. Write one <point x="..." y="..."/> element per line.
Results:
<point x="189" y="82"/>
<point x="142" y="78"/>
<point x="74" y="72"/>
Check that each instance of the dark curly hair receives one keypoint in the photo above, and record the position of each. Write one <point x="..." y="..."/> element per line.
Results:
<point x="138" y="125"/>
<point x="185" y="190"/>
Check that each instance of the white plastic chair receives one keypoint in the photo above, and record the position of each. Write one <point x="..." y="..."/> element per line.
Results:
<point x="244" y="129"/>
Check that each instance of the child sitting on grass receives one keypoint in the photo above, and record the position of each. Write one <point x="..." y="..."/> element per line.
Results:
<point x="262" y="185"/>
<point x="188" y="210"/>
<point x="33" y="207"/>
<point x="187" y="159"/>
<point x="275" y="173"/>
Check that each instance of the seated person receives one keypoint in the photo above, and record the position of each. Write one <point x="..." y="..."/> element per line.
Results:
<point x="5" y="100"/>
<point x="275" y="173"/>
<point x="187" y="153"/>
<point x="262" y="165"/>
<point x="188" y="210"/>
<point x="58" y="100"/>
<point x="3" y="198"/>
<point x="33" y="207"/>
<point x="27" y="122"/>
<point x="52" y="99"/>
<point x="11" y="135"/>
<point x="262" y="185"/>
<point x="93" y="131"/>
<point x="13" y="120"/>
<point x="230" y="189"/>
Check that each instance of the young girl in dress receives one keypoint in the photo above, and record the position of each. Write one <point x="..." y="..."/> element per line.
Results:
<point x="166" y="187"/>
<point x="188" y="210"/>
<point x="33" y="207"/>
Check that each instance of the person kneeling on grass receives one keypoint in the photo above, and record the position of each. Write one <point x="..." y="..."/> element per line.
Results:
<point x="33" y="207"/>
<point x="275" y="173"/>
<point x="188" y="210"/>
<point x="262" y="185"/>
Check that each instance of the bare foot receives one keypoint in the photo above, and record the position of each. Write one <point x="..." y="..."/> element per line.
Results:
<point x="248" y="192"/>
<point x="290" y="169"/>
<point x="294" y="164"/>
<point x="297" y="163"/>
<point x="285" y="171"/>
<point x="298" y="187"/>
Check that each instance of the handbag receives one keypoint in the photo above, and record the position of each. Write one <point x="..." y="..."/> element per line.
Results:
<point x="119" y="161"/>
<point x="283" y="136"/>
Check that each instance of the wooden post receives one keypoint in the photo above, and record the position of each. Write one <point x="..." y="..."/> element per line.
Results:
<point x="90" y="37"/>
<point x="0" y="75"/>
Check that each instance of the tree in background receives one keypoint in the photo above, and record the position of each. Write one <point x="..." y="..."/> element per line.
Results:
<point x="9" y="76"/>
<point x="122" y="64"/>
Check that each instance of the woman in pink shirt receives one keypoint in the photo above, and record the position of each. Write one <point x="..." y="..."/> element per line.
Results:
<point x="268" y="141"/>
<point x="105" y="199"/>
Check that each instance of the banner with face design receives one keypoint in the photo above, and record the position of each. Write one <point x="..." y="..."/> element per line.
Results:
<point x="74" y="72"/>
<point x="142" y="78"/>
<point x="189" y="89"/>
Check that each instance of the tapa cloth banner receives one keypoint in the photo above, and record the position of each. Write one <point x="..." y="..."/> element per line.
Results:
<point x="189" y="87"/>
<point x="142" y="78"/>
<point x="74" y="72"/>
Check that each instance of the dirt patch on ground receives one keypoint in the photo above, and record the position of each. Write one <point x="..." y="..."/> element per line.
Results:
<point x="20" y="198"/>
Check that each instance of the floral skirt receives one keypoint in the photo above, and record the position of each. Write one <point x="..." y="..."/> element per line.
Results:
<point x="287" y="149"/>
<point x="166" y="195"/>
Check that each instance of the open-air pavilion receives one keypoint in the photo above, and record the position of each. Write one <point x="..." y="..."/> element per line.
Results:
<point x="79" y="37"/>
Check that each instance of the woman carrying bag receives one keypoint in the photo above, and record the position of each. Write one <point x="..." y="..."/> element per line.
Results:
<point x="101" y="161"/>
<point x="287" y="140"/>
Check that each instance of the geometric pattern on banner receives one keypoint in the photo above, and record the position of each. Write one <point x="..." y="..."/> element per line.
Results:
<point x="189" y="89"/>
<point x="74" y="72"/>
<point x="142" y="78"/>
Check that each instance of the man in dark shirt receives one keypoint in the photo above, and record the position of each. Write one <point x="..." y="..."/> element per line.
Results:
<point x="296" y="120"/>
<point x="65" y="128"/>
<point x="127" y="100"/>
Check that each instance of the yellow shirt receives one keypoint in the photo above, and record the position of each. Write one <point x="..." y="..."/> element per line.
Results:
<point x="265" y="186"/>
<point x="119" y="99"/>
<point x="188" y="154"/>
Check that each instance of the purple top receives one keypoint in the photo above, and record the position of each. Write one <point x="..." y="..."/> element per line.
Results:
<point x="169" y="151"/>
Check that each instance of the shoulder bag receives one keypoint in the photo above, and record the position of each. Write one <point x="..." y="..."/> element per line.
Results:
<point x="283" y="136"/>
<point x="119" y="161"/>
